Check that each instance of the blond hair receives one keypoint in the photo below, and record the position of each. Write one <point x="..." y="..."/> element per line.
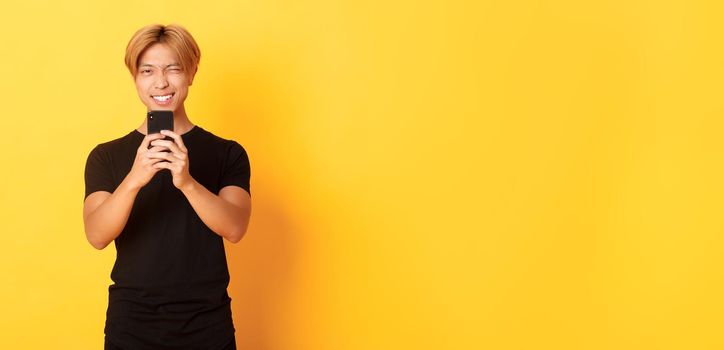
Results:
<point x="175" y="36"/>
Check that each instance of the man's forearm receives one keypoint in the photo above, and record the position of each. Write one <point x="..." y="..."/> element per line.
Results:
<point x="221" y="216"/>
<point x="107" y="221"/>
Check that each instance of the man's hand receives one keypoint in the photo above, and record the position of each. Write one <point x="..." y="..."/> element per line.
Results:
<point x="143" y="170"/>
<point x="105" y="214"/>
<point x="178" y="159"/>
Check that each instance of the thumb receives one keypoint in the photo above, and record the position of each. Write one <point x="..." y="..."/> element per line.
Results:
<point x="147" y="140"/>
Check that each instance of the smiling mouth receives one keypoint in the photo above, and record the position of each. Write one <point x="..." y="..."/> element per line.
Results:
<point x="163" y="99"/>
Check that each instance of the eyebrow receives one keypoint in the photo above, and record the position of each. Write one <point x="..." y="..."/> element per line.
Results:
<point x="150" y="65"/>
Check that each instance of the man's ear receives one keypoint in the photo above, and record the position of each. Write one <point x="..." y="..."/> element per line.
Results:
<point x="191" y="80"/>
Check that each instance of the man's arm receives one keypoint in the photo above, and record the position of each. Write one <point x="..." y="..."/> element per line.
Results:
<point x="105" y="214"/>
<point x="226" y="214"/>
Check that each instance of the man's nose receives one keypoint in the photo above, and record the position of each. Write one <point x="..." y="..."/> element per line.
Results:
<point x="161" y="81"/>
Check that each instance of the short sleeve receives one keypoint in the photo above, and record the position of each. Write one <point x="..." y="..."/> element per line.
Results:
<point x="237" y="170"/>
<point x="98" y="176"/>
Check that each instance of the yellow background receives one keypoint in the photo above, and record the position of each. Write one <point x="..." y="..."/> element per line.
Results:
<point x="425" y="175"/>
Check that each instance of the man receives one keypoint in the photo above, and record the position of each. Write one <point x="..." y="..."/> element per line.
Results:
<point x="168" y="209"/>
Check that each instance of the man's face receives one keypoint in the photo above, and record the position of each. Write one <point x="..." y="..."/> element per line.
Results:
<point x="161" y="82"/>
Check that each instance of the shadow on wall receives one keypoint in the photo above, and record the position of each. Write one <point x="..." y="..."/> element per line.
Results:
<point x="261" y="267"/>
<point x="261" y="264"/>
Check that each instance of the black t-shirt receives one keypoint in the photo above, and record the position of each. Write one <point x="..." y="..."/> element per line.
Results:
<point x="170" y="275"/>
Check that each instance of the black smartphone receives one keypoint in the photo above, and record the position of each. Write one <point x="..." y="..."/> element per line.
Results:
<point x="157" y="121"/>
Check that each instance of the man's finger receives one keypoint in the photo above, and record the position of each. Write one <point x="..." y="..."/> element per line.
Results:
<point x="176" y="137"/>
<point x="147" y="140"/>
<point x="156" y="149"/>
<point x="169" y="144"/>
<point x="161" y="155"/>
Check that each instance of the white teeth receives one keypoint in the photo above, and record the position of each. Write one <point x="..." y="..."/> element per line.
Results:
<point x="162" y="98"/>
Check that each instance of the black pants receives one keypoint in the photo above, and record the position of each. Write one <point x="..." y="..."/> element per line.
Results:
<point x="110" y="346"/>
